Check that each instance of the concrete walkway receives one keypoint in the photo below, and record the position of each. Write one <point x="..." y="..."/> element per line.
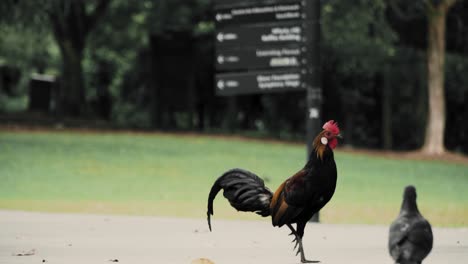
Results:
<point x="86" y="239"/>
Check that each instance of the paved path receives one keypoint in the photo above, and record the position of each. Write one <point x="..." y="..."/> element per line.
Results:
<point x="85" y="239"/>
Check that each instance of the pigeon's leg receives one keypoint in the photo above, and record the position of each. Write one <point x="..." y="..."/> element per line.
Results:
<point x="300" y="250"/>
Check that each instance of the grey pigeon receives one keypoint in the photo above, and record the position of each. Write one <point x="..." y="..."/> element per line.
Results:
<point x="410" y="239"/>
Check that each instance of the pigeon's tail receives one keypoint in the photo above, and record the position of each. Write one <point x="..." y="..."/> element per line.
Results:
<point x="244" y="190"/>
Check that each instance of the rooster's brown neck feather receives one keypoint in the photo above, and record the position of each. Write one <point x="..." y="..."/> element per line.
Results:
<point x="318" y="146"/>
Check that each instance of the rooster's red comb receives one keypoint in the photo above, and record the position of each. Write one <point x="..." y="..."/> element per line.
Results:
<point x="332" y="127"/>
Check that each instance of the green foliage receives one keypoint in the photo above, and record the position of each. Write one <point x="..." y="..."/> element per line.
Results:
<point x="114" y="46"/>
<point x="367" y="46"/>
<point x="177" y="15"/>
<point x="119" y="49"/>
<point x="129" y="115"/>
<point x="29" y="50"/>
<point x="358" y="44"/>
<point x="162" y="174"/>
<point x="456" y="91"/>
<point x="406" y="80"/>
<point x="109" y="50"/>
<point x="25" y="48"/>
<point x="357" y="32"/>
<point x="10" y="104"/>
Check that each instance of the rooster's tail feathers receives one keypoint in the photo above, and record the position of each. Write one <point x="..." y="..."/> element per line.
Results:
<point x="244" y="190"/>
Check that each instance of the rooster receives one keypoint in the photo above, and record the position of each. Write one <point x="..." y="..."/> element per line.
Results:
<point x="296" y="200"/>
<point x="410" y="238"/>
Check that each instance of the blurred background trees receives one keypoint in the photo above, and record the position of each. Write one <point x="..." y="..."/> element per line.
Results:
<point x="435" y="14"/>
<point x="149" y="64"/>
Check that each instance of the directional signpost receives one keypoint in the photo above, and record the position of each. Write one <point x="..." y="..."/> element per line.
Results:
<point x="260" y="82"/>
<point x="260" y="35"/>
<point x="256" y="12"/>
<point x="231" y="59"/>
<point x="268" y="46"/>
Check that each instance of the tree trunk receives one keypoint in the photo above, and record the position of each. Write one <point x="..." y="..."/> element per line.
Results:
<point x="71" y="23"/>
<point x="72" y="92"/>
<point x="434" y="139"/>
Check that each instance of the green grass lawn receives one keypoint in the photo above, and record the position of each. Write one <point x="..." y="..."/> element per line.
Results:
<point x="170" y="175"/>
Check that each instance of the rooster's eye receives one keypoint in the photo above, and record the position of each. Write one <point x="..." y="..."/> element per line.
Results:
<point x="327" y="134"/>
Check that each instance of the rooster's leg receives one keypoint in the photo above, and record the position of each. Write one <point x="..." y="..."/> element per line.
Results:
<point x="298" y="241"/>
<point x="296" y="236"/>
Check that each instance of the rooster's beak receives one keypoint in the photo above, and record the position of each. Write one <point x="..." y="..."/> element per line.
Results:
<point x="339" y="136"/>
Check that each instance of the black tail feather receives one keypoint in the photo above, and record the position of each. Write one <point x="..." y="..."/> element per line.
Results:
<point x="244" y="190"/>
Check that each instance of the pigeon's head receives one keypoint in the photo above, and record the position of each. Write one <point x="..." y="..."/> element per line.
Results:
<point x="410" y="193"/>
<point x="409" y="204"/>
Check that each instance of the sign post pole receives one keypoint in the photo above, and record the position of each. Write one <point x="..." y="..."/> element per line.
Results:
<point x="314" y="90"/>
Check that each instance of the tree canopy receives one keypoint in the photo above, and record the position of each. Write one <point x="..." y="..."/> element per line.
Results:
<point x="121" y="61"/>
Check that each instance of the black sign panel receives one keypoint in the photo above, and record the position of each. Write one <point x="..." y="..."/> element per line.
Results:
<point x="262" y="46"/>
<point x="259" y="13"/>
<point x="259" y="35"/>
<point x="260" y="58"/>
<point x="260" y="82"/>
